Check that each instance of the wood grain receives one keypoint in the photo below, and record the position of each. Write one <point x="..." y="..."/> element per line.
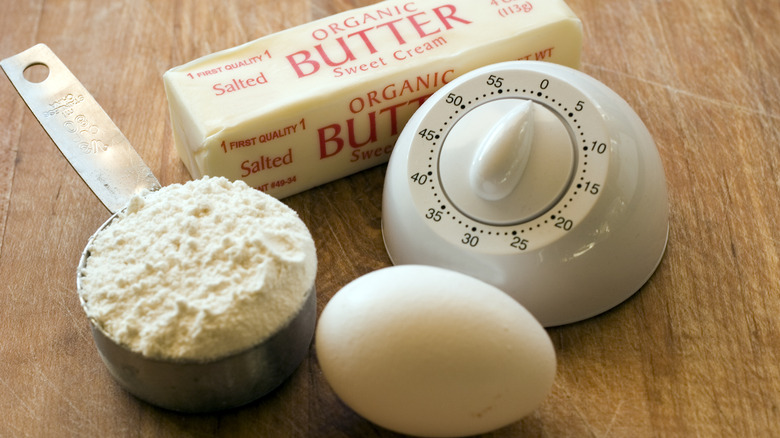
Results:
<point x="695" y="353"/>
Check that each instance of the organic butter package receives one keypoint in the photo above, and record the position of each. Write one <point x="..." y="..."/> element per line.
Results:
<point x="323" y="100"/>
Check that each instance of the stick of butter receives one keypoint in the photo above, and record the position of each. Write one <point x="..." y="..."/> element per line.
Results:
<point x="323" y="100"/>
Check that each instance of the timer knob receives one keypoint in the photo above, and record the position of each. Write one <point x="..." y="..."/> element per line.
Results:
<point x="535" y="178"/>
<point x="502" y="155"/>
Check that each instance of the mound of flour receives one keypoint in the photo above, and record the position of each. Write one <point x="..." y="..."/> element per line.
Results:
<point x="198" y="271"/>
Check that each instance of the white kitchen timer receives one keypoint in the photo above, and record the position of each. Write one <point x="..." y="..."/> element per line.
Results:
<point x="535" y="178"/>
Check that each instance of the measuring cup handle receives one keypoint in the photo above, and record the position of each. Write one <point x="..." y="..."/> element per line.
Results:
<point x="83" y="132"/>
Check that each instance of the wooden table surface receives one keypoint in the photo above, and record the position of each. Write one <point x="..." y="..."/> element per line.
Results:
<point x="695" y="353"/>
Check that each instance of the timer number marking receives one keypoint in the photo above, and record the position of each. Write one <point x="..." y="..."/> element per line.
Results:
<point x="519" y="243"/>
<point x="495" y="81"/>
<point x="455" y="100"/>
<point x="470" y="240"/>
<point x="428" y="134"/>
<point x="563" y="223"/>
<point x="420" y="178"/>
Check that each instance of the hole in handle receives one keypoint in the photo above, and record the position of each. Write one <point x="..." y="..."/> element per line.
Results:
<point x="36" y="72"/>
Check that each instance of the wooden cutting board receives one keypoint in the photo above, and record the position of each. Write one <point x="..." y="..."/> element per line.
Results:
<point x="695" y="353"/>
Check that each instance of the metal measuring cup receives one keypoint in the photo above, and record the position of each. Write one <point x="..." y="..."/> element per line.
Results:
<point x="114" y="171"/>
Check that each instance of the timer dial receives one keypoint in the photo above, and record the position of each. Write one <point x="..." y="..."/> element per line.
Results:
<point x="533" y="177"/>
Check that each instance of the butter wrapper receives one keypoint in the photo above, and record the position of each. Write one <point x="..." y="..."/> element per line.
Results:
<point x="323" y="100"/>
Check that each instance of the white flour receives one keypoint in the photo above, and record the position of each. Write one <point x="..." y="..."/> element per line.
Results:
<point x="198" y="271"/>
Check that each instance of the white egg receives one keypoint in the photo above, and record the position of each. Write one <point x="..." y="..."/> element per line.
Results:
<point x="430" y="352"/>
